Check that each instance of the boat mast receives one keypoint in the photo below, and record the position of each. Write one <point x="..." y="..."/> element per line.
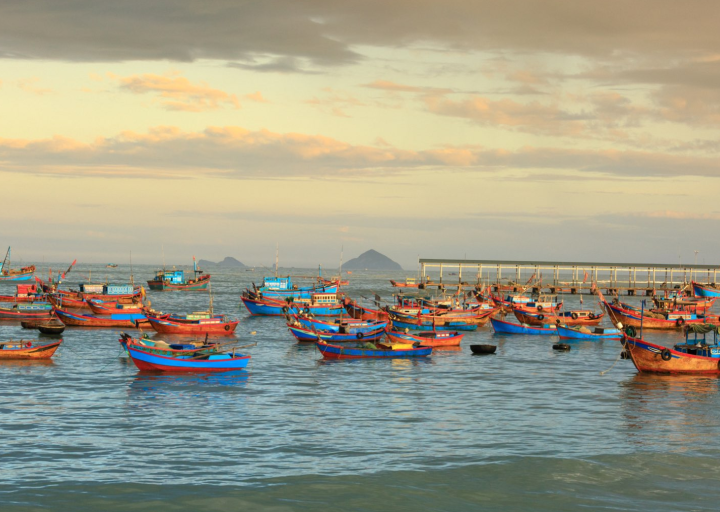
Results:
<point x="132" y="278"/>
<point x="277" y="257"/>
<point x="211" y="298"/>
<point x="163" y="253"/>
<point x="6" y="260"/>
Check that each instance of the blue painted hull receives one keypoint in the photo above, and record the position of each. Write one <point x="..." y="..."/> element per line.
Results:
<point x="257" y="308"/>
<point x="300" y="293"/>
<point x="572" y="334"/>
<point x="308" y="335"/>
<point x="704" y="291"/>
<point x="353" y="326"/>
<point x="503" y="327"/>
<point x="338" y="352"/>
<point x="23" y="277"/>
<point x="450" y="326"/>
<point x="214" y="363"/>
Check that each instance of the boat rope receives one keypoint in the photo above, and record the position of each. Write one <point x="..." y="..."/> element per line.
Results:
<point x="613" y="365"/>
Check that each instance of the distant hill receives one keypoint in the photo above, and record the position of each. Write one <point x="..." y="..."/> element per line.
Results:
<point x="229" y="261"/>
<point x="371" y="260"/>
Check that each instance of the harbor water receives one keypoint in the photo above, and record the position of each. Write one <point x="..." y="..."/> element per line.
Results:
<point x="527" y="428"/>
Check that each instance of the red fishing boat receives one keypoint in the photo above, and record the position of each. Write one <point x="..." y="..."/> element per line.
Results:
<point x="428" y="338"/>
<point x="694" y="356"/>
<point x="127" y="321"/>
<point x="21" y="312"/>
<point x="577" y="317"/>
<point x="27" y="349"/>
<point x="359" y="312"/>
<point x="197" y="323"/>
<point x="103" y="307"/>
<point x="655" y="319"/>
<point x="24" y="293"/>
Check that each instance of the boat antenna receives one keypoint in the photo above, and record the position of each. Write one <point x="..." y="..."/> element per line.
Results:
<point x="6" y="260"/>
<point x="163" y="254"/>
<point x="211" y="298"/>
<point x="277" y="257"/>
<point x="132" y="278"/>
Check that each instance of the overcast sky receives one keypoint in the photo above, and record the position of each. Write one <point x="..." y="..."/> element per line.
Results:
<point x="521" y="129"/>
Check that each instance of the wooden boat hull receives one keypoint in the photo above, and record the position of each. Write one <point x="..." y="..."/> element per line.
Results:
<point x="33" y="351"/>
<point x="350" y="326"/>
<point x="472" y="318"/>
<point x="329" y="351"/>
<point x="6" y="314"/>
<point x="362" y="313"/>
<point x="269" y="307"/>
<point x="403" y="285"/>
<point x="503" y="327"/>
<point x="99" y="307"/>
<point x="636" y="319"/>
<point x="115" y="321"/>
<point x="648" y="357"/>
<point x="526" y="317"/>
<point x="300" y="293"/>
<point x="438" y="339"/>
<point x="304" y="334"/>
<point x="148" y="361"/>
<point x="166" y="351"/>
<point x="18" y="275"/>
<point x="168" y="326"/>
<point x="566" y="333"/>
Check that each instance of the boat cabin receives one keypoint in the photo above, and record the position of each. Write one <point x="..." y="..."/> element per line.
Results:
<point x="696" y="342"/>
<point x="170" y="276"/>
<point x="277" y="283"/>
<point x="25" y="290"/>
<point x="324" y="298"/>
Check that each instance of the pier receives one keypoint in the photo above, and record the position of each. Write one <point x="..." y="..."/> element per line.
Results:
<point x="564" y="277"/>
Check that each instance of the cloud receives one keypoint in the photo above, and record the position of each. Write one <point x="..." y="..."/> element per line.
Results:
<point x="30" y="85"/>
<point x="326" y="32"/>
<point x="335" y="102"/>
<point x="178" y="93"/>
<point x="234" y="152"/>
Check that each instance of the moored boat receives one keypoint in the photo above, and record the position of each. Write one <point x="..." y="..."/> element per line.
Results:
<point x="360" y="312"/>
<point x="576" y="317"/>
<point x="401" y="325"/>
<point x="147" y="360"/>
<point x="583" y="333"/>
<point x="306" y="334"/>
<point x="14" y="274"/>
<point x="196" y="323"/>
<point x="319" y="304"/>
<point x="706" y="289"/>
<point x="128" y="321"/>
<point x="28" y="349"/>
<point x="174" y="280"/>
<point x="428" y="338"/>
<point x="667" y="320"/>
<point x="104" y="307"/>
<point x="503" y="327"/>
<point x="330" y="351"/>
<point x="32" y="311"/>
<point x="24" y="293"/>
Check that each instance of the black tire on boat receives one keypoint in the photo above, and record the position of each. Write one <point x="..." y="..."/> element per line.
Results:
<point x="625" y="354"/>
<point x="591" y="316"/>
<point x="630" y="331"/>
<point x="483" y="349"/>
<point x="574" y="316"/>
<point x="285" y="309"/>
<point x="541" y="317"/>
<point x="539" y="308"/>
<point x="227" y="327"/>
<point x="680" y="322"/>
<point x="561" y="346"/>
<point x="359" y="335"/>
<point x="666" y="355"/>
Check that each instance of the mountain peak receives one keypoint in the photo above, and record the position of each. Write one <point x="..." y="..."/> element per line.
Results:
<point x="372" y="260"/>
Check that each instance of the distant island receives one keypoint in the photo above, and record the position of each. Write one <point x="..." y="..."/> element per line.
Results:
<point x="371" y="260"/>
<point x="229" y="261"/>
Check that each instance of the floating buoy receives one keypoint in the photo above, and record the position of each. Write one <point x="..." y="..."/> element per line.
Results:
<point x="561" y="346"/>
<point x="254" y="333"/>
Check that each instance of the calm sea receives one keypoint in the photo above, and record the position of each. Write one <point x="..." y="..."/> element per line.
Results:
<point x="525" y="429"/>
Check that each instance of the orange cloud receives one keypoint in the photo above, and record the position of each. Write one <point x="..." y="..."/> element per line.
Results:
<point x="178" y="93"/>
<point x="29" y="85"/>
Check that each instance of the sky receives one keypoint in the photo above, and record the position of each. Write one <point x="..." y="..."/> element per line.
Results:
<point x="562" y="130"/>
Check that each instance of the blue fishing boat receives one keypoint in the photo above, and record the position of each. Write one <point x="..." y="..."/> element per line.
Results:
<point x="307" y="334"/>
<point x="283" y="288"/>
<point x="425" y="326"/>
<point x="705" y="290"/>
<point x="319" y="304"/>
<point x="503" y="327"/>
<point x="174" y="280"/>
<point x="329" y="351"/>
<point x="582" y="333"/>
<point x="342" y="326"/>
<point x="146" y="360"/>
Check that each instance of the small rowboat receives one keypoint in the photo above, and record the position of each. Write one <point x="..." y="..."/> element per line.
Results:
<point x="428" y="338"/>
<point x="146" y="360"/>
<point x="483" y="349"/>
<point x="582" y="333"/>
<point x="54" y="326"/>
<point x="215" y="324"/>
<point x="168" y="349"/>
<point x="24" y="349"/>
<point x="448" y="326"/>
<point x="359" y="312"/>
<point x="503" y="327"/>
<point x="304" y="334"/>
<point x="329" y="351"/>
<point x="111" y="321"/>
<point x="343" y="326"/>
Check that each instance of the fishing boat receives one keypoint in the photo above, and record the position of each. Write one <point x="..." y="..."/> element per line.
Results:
<point x="24" y="293"/>
<point x="503" y="327"/>
<point x="656" y="319"/>
<point x="54" y="326"/>
<point x="705" y="289"/>
<point x="105" y="307"/>
<point x="305" y="334"/>
<point x="284" y="288"/>
<point x="32" y="311"/>
<point x="340" y="325"/>
<point x="583" y="333"/>
<point x="576" y="317"/>
<point x="428" y="339"/>
<point x="319" y="304"/>
<point x="674" y="302"/>
<point x="401" y="325"/>
<point x="28" y="349"/>
<point x="111" y="265"/>
<point x="121" y="293"/>
<point x="109" y="321"/>
<point x="174" y="280"/>
<point x="14" y="274"/>
<point x="193" y="323"/>
<point x="146" y="360"/>
<point x="439" y="317"/>
<point x="330" y="351"/>
<point x="409" y="283"/>
<point x="695" y="356"/>
<point x="360" y="312"/>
